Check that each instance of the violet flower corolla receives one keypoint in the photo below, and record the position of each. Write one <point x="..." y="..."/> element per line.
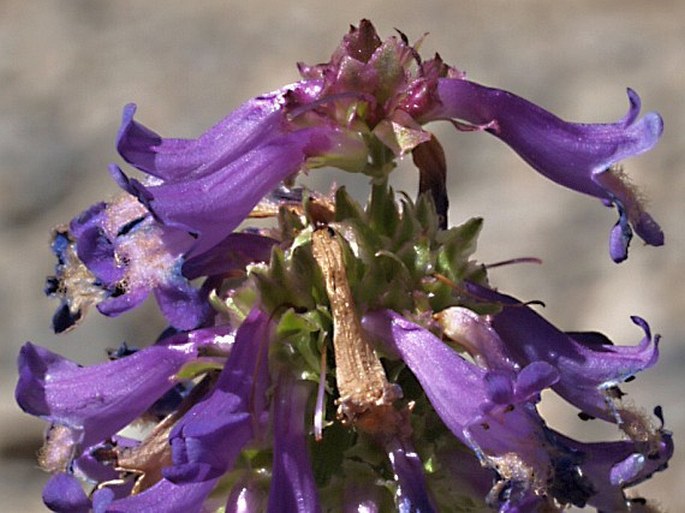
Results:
<point x="86" y="405"/>
<point x="319" y="365"/>
<point x="590" y="366"/>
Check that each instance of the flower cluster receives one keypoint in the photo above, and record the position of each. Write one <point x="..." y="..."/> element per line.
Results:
<point x="346" y="357"/>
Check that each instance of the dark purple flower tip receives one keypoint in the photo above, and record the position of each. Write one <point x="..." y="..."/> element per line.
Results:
<point x="97" y="401"/>
<point x="293" y="489"/>
<point x="208" y="439"/>
<point x="582" y="157"/>
<point x="590" y="367"/>
<point x="64" y="494"/>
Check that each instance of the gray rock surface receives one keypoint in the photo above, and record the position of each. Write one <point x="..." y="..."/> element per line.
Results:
<point x="68" y="67"/>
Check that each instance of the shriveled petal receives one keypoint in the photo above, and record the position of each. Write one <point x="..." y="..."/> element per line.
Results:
<point x="113" y="255"/>
<point x="208" y="439"/>
<point x="99" y="400"/>
<point x="610" y="467"/>
<point x="64" y="494"/>
<point x="589" y="365"/>
<point x="581" y="157"/>
<point x="293" y="489"/>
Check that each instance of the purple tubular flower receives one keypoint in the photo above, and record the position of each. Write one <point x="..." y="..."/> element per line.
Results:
<point x="97" y="401"/>
<point x="492" y="417"/>
<point x="589" y="365"/>
<point x="292" y="484"/>
<point x="581" y="157"/>
<point x="165" y="497"/>
<point x="208" y="439"/>
<point x="207" y="186"/>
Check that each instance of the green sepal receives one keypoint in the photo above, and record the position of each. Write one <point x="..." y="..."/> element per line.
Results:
<point x="196" y="368"/>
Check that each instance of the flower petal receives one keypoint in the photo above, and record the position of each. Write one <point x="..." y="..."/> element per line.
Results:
<point x="492" y="430"/>
<point x="251" y="125"/>
<point x="113" y="255"/>
<point x="234" y="252"/>
<point x="589" y="365"/>
<point x="292" y="485"/>
<point x="209" y="437"/>
<point x="581" y="157"/>
<point x="64" y="494"/>
<point x="612" y="466"/>
<point x="99" y="400"/>
<point x="166" y="497"/>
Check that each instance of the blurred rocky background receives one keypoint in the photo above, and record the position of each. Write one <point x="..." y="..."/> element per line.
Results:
<point x="68" y="67"/>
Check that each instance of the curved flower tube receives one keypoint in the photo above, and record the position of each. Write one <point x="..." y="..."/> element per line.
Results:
<point x="493" y="423"/>
<point x="209" y="437"/>
<point x="252" y="125"/>
<point x="292" y="484"/>
<point x="209" y="185"/>
<point x="95" y="402"/>
<point x="589" y="365"/>
<point x="581" y="157"/>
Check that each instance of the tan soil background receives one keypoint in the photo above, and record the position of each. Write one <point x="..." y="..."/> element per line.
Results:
<point x="68" y="67"/>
